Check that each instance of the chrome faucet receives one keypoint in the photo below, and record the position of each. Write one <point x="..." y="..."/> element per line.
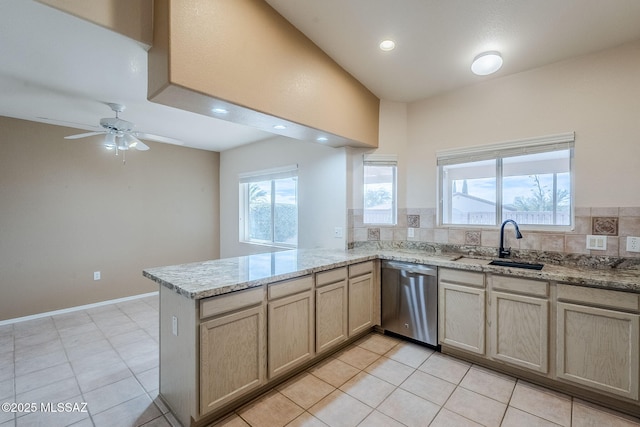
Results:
<point x="502" y="252"/>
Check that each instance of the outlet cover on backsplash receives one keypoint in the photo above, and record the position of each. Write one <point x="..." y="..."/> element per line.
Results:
<point x="598" y="243"/>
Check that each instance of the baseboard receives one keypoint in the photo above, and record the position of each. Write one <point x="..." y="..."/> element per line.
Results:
<point x="77" y="308"/>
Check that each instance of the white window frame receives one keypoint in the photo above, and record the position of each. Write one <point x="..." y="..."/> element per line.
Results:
<point x="382" y="160"/>
<point x="273" y="174"/>
<point x="557" y="142"/>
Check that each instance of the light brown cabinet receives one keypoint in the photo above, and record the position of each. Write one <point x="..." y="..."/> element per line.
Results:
<point x="331" y="309"/>
<point x="519" y="322"/>
<point x="291" y="326"/>
<point x="232" y="348"/>
<point x="597" y="339"/>
<point x="215" y="352"/>
<point x="461" y="311"/>
<point x="360" y="297"/>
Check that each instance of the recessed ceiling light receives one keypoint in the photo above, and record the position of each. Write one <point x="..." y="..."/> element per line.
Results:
<point x="280" y="127"/>
<point x="322" y="139"/>
<point x="486" y="63"/>
<point x="387" y="45"/>
<point x="219" y="110"/>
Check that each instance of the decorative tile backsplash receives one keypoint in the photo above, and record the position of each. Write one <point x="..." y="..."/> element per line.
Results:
<point x="604" y="225"/>
<point x="615" y="223"/>
<point x="373" y="234"/>
<point x="472" y="238"/>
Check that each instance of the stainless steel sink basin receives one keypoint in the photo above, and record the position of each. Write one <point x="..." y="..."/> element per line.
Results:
<point x="514" y="264"/>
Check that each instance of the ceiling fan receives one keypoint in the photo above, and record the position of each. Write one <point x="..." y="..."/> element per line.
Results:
<point x="119" y="133"/>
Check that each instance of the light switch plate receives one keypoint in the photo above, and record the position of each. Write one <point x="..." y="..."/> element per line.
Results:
<point x="598" y="243"/>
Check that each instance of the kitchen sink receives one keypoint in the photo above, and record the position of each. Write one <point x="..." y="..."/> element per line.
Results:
<point x="514" y="264"/>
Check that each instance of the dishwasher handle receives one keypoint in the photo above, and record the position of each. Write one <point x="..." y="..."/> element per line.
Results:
<point x="410" y="267"/>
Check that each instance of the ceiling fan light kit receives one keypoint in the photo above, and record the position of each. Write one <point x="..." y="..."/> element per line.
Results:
<point x="119" y="133"/>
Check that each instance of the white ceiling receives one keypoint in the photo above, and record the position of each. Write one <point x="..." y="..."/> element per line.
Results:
<point x="61" y="68"/>
<point x="436" y="40"/>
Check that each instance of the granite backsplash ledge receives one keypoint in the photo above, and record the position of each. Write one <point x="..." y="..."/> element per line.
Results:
<point x="603" y="262"/>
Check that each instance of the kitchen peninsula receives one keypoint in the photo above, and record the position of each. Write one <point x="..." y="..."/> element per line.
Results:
<point x="232" y="328"/>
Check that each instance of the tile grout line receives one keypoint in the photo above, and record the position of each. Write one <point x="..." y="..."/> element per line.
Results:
<point x="75" y="375"/>
<point x="125" y="363"/>
<point x="82" y="393"/>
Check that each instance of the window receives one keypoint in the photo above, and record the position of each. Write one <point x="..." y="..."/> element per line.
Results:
<point x="380" y="189"/>
<point x="528" y="181"/>
<point x="269" y="207"/>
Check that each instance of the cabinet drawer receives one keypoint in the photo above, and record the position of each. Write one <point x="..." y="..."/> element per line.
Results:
<point x="470" y="278"/>
<point x="230" y="302"/>
<point x="360" y="269"/>
<point x="524" y="286"/>
<point x="600" y="297"/>
<point x="290" y="287"/>
<point x="331" y="276"/>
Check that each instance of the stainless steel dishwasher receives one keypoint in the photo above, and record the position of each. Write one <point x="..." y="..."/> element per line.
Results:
<point x="410" y="300"/>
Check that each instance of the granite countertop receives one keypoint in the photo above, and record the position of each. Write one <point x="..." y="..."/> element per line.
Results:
<point x="210" y="278"/>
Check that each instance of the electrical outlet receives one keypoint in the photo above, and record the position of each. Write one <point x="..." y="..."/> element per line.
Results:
<point x="410" y="232"/>
<point x="337" y="232"/>
<point x="599" y="243"/>
<point x="633" y="244"/>
<point x="96" y="275"/>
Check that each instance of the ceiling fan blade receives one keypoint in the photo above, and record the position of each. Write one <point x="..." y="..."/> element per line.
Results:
<point x="136" y="143"/>
<point x="158" y="138"/>
<point x="83" y="135"/>
<point x="141" y="146"/>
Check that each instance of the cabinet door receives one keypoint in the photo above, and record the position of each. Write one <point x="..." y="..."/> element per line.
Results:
<point x="331" y="315"/>
<point x="291" y="332"/>
<point x="461" y="317"/>
<point x="519" y="328"/>
<point x="360" y="304"/>
<point x="232" y="357"/>
<point x="598" y="348"/>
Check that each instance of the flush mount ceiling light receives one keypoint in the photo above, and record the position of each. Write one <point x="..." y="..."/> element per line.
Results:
<point x="280" y="127"/>
<point x="387" y="45"/>
<point x="322" y="139"/>
<point x="219" y="110"/>
<point x="486" y="63"/>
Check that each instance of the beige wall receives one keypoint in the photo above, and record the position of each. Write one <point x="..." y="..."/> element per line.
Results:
<point x="69" y="208"/>
<point x="245" y="54"/>
<point x="597" y="96"/>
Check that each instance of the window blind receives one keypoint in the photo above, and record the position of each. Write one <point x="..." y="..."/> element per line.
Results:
<point x="381" y="159"/>
<point x="288" y="171"/>
<point x="520" y="147"/>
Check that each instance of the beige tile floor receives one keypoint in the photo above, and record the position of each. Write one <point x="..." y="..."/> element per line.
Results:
<point x="107" y="357"/>
<point x="386" y="382"/>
